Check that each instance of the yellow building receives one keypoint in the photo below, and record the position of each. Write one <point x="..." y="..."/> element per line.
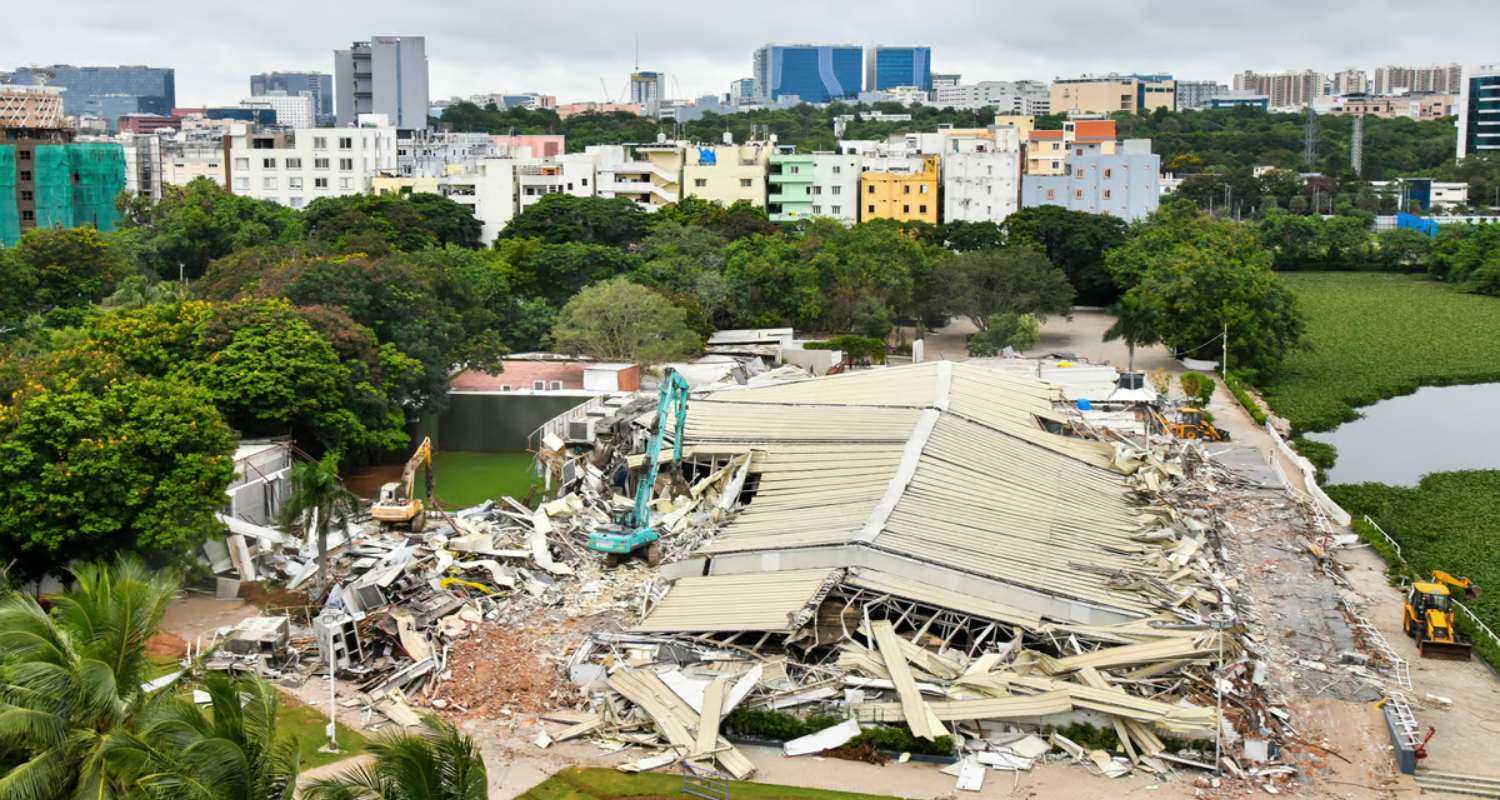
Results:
<point x="1047" y="151"/>
<point x="393" y="184"/>
<point x="727" y="173"/>
<point x="906" y="194"/>
<point x="1023" y="123"/>
<point x="1111" y="93"/>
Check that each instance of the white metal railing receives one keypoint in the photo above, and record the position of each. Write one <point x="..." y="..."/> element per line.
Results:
<point x="558" y="424"/>
<point x="1395" y="545"/>
<point x="1334" y="511"/>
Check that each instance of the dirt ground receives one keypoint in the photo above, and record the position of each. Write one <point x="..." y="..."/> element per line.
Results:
<point x="194" y="616"/>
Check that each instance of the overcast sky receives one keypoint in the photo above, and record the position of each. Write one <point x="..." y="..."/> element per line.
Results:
<point x="565" y="47"/>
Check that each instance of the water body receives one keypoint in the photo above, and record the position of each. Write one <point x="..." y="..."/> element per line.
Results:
<point x="1434" y="429"/>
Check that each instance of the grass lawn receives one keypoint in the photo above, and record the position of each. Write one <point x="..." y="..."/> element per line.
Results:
<point x="306" y="724"/>
<point x="1376" y="335"/>
<point x="600" y="784"/>
<point x="1448" y="522"/>
<point x="466" y="478"/>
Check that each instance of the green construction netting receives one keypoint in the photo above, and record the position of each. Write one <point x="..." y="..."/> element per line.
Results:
<point x="76" y="184"/>
<point x="10" y="216"/>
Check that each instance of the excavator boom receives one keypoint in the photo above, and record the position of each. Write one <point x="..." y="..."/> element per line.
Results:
<point x="671" y="407"/>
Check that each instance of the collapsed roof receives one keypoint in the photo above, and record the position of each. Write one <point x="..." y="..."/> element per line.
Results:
<point x="945" y="484"/>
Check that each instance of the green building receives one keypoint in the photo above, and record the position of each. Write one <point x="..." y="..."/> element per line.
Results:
<point x="789" y="196"/>
<point x="47" y="181"/>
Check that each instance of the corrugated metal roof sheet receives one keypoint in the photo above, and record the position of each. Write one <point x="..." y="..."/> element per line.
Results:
<point x="763" y="601"/>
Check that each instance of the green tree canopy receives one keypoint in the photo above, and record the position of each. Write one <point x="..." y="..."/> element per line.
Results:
<point x="565" y="219"/>
<point x="436" y="763"/>
<point x="622" y="321"/>
<point x="392" y="222"/>
<point x="199" y="222"/>
<point x="1010" y="280"/>
<point x="97" y="464"/>
<point x="1190" y="278"/>
<point x="1075" y="242"/>
<point x="59" y="268"/>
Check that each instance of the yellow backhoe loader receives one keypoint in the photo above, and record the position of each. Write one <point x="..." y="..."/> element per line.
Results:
<point x="396" y="505"/>
<point x="1191" y="424"/>
<point x="1428" y="616"/>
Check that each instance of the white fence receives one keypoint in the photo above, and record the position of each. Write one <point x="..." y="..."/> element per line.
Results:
<point x="1334" y="511"/>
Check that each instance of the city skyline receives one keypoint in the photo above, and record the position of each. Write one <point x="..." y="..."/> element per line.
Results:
<point x="468" y="57"/>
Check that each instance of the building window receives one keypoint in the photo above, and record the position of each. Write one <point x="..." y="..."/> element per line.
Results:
<point x="268" y="182"/>
<point x="1051" y="194"/>
<point x="320" y="183"/>
<point x="872" y="209"/>
<point x="346" y="165"/>
<point x="1078" y="193"/>
<point x="268" y="163"/>
<point x="700" y="182"/>
<point x="837" y="169"/>
<point x="539" y="385"/>
<point x="837" y="190"/>
<point x="320" y="142"/>
<point x="906" y="188"/>
<point x="837" y="209"/>
<point x="817" y="209"/>
<point x="817" y="190"/>
<point x="294" y="183"/>
<point x="295" y="202"/>
<point x="242" y="163"/>
<point x="294" y="163"/>
<point x="504" y="387"/>
<point x="25" y="175"/>
<point x="1079" y="151"/>
<point x="1054" y="165"/>
<point x="24" y="155"/>
<point x="346" y="142"/>
<point x="905" y="209"/>
<point x="923" y="189"/>
<point x="27" y="195"/>
<point x="921" y="209"/>
<point x="556" y="385"/>
<point x="346" y="183"/>
<point x="870" y="190"/>
<point x="1109" y="173"/>
<point x="242" y="184"/>
<point x="27" y="215"/>
<point x="1106" y="194"/>
<point x="746" y="183"/>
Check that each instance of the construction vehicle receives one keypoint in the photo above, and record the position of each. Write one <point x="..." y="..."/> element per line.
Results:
<point x="396" y="505"/>
<point x="634" y="533"/>
<point x="1428" y="616"/>
<point x="1191" y="424"/>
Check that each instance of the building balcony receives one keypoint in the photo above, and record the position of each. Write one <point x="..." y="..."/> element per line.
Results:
<point x="785" y="177"/>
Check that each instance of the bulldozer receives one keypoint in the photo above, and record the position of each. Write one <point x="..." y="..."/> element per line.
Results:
<point x="1191" y="424"/>
<point x="1428" y="616"/>
<point x="396" y="505"/>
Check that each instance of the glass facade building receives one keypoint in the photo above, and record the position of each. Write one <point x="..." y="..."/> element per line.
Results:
<point x="1479" y="111"/>
<point x="320" y="84"/>
<point x="107" y="92"/>
<point x="889" y="67"/>
<point x="814" y="73"/>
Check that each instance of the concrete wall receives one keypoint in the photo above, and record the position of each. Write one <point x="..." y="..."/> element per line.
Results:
<point x="498" y="421"/>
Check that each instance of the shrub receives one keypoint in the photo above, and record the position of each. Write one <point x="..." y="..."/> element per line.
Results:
<point x="1020" y="332"/>
<point x="864" y="349"/>
<point x="778" y="726"/>
<point x="1237" y="388"/>
<point x="1198" y="387"/>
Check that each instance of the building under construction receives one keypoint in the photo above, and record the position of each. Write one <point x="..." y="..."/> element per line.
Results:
<point x="46" y="178"/>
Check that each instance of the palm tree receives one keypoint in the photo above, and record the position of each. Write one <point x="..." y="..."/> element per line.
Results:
<point x="1133" y="324"/>
<point x="318" y="499"/>
<point x="229" y="753"/>
<point x="70" y="678"/>
<point x="436" y="763"/>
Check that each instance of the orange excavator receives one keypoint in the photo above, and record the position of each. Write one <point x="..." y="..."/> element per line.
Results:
<point x="396" y="504"/>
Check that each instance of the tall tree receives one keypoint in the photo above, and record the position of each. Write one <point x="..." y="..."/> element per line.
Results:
<point x="1075" y="242"/>
<point x="622" y="321"/>
<point x="1010" y="280"/>
<point x="318" y="502"/>
<point x="437" y="763"/>
<point x="72" y="678"/>
<point x="1134" y="325"/>
<point x="565" y="219"/>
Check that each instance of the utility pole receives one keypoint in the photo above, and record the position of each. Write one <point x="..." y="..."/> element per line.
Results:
<point x="1224" y="362"/>
<point x="1357" y="146"/>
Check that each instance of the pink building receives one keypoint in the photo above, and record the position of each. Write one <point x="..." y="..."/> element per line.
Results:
<point x="569" y="109"/>
<point x="540" y="145"/>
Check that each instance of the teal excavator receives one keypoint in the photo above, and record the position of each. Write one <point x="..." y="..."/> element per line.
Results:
<point x="634" y="533"/>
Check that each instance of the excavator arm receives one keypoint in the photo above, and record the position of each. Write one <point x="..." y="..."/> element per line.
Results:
<point x="1468" y="587"/>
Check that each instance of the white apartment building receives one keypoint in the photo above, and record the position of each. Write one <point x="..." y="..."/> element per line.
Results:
<point x="982" y="176"/>
<point x="572" y="174"/>
<point x="293" y="169"/>
<point x="1006" y="97"/>
<point x="835" y="187"/>
<point x="292" y="110"/>
<point x="489" y="192"/>
<point x="143" y="164"/>
<point x="649" y="174"/>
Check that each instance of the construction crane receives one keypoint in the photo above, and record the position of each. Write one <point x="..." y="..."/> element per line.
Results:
<point x="1428" y="616"/>
<point x="396" y="505"/>
<point x="634" y="532"/>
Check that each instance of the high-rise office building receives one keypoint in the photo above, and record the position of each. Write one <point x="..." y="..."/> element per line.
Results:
<point x="1479" y="110"/>
<point x="647" y="90"/>
<point x="889" y="67"/>
<point x="386" y="75"/>
<point x="319" y="84"/>
<point x="814" y="73"/>
<point x="742" y="91"/>
<point x="106" y="92"/>
<point x="1436" y="79"/>
<point x="1351" y="80"/>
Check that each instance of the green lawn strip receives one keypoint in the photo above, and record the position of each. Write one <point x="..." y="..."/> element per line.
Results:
<point x="466" y="478"/>
<point x="1376" y="335"/>
<point x="306" y="724"/>
<point x="577" y="783"/>
<point x="1449" y="521"/>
